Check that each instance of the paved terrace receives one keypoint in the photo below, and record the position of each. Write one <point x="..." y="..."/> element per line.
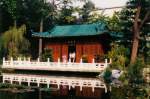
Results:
<point x="26" y="64"/>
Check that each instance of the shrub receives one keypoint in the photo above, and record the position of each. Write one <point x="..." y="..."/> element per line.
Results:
<point x="47" y="54"/>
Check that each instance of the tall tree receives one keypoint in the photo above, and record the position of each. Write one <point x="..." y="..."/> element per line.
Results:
<point x="135" y="18"/>
<point x="88" y="7"/>
<point x="66" y="10"/>
<point x="11" y="6"/>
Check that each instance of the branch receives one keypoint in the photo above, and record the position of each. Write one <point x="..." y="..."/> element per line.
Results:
<point x="145" y="18"/>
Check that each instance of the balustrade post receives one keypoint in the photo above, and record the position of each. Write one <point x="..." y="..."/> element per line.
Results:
<point x="106" y="61"/>
<point x="47" y="85"/>
<point x="93" y="60"/>
<point x="19" y="82"/>
<point x="29" y="59"/>
<point x="11" y="82"/>
<point x="48" y="60"/>
<point x="105" y="89"/>
<point x="24" y="59"/>
<point x="110" y="61"/>
<point x="69" y="84"/>
<point x="93" y="88"/>
<point x="58" y="86"/>
<point x="3" y="80"/>
<point x="29" y="83"/>
<point x="80" y="88"/>
<point x="58" y="61"/>
<point x="38" y="60"/>
<point x="11" y="61"/>
<point x="69" y="60"/>
<point x="20" y="59"/>
<point x="38" y="84"/>
<point x="81" y="60"/>
<point x="3" y="61"/>
<point x="69" y="87"/>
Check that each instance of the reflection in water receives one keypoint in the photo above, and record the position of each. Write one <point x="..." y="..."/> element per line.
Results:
<point x="56" y="87"/>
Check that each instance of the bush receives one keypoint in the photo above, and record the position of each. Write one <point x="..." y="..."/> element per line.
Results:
<point x="84" y="59"/>
<point x="47" y="54"/>
<point x="133" y="85"/>
<point x="118" y="54"/>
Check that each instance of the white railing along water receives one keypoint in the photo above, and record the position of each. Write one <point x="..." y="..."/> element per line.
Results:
<point x="26" y="64"/>
<point x="55" y="80"/>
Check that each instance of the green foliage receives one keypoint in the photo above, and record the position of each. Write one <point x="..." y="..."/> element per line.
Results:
<point x="99" y="58"/>
<point x="118" y="93"/>
<point x="114" y="23"/>
<point x="11" y="6"/>
<point x="65" y="15"/>
<point x="135" y="72"/>
<point x="14" y="41"/>
<point x="133" y="85"/>
<point x="118" y="54"/>
<point x="107" y="76"/>
<point x="84" y="59"/>
<point x="47" y="54"/>
<point x="5" y="85"/>
<point x="127" y="17"/>
<point x="95" y="17"/>
<point x="88" y="7"/>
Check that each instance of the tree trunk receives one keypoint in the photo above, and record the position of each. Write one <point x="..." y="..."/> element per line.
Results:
<point x="136" y="35"/>
<point x="40" y="39"/>
<point x="135" y="46"/>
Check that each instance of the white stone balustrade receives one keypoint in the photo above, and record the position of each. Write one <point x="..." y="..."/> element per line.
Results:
<point x="55" y="80"/>
<point x="26" y="64"/>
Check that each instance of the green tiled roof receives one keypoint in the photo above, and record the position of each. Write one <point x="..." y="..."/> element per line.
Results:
<point x="74" y="30"/>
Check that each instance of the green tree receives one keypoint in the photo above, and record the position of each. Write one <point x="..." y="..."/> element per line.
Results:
<point x="135" y="18"/>
<point x="118" y="54"/>
<point x="65" y="13"/>
<point x="136" y="85"/>
<point x="85" y="12"/>
<point x="47" y="54"/>
<point x="14" y="41"/>
<point x="11" y="6"/>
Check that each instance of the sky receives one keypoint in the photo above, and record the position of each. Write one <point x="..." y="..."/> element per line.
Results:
<point x="107" y="4"/>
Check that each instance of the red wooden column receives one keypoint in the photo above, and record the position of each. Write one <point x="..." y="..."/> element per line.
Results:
<point x="78" y="52"/>
<point x="56" y="52"/>
<point x="64" y="50"/>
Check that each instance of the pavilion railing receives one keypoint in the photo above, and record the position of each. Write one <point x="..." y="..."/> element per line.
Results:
<point x="54" y="66"/>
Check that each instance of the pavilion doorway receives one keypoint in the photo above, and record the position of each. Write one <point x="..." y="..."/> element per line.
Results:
<point x="72" y="53"/>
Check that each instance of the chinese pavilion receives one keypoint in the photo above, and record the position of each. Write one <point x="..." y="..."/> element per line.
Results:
<point x="76" y="41"/>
